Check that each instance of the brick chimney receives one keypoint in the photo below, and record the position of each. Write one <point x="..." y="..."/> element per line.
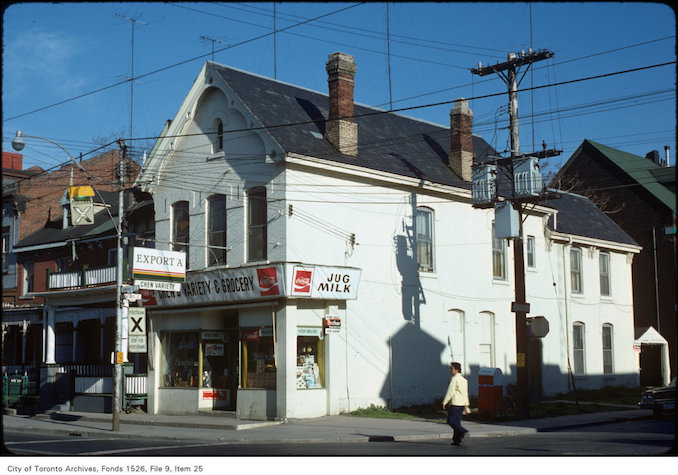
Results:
<point x="13" y="161"/>
<point x="461" y="139"/>
<point x="341" y="130"/>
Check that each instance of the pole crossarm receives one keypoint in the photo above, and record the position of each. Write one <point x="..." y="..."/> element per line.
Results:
<point x="514" y="62"/>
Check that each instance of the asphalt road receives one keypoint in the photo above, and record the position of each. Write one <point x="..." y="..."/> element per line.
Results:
<point x="639" y="438"/>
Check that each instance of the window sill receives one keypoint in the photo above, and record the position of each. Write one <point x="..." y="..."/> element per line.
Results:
<point x="428" y="274"/>
<point x="215" y="156"/>
<point x="500" y="281"/>
<point x="575" y="295"/>
<point x="606" y="298"/>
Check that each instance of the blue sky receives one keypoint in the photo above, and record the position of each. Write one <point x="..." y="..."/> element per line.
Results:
<point x="55" y="53"/>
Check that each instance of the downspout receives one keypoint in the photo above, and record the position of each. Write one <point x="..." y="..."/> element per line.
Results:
<point x="656" y="280"/>
<point x="567" y="328"/>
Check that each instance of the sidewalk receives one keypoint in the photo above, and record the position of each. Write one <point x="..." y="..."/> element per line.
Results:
<point x="343" y="428"/>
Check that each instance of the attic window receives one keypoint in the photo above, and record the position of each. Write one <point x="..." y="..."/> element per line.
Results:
<point x="218" y="140"/>
<point x="315" y="134"/>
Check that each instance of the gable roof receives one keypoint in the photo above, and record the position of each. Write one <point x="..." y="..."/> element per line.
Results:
<point x="387" y="141"/>
<point x="578" y="216"/>
<point x="642" y="170"/>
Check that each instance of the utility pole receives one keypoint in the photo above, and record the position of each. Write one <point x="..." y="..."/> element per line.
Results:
<point x="117" y="376"/>
<point x="508" y="71"/>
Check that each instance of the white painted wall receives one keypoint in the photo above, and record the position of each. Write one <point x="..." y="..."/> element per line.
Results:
<point x="405" y="327"/>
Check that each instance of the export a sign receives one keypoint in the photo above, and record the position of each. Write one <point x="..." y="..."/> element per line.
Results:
<point x="156" y="269"/>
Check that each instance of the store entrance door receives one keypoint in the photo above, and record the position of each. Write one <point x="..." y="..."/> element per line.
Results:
<point x="219" y="368"/>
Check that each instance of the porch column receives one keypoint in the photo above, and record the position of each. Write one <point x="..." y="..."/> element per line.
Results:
<point x="50" y="336"/>
<point x="24" y="333"/>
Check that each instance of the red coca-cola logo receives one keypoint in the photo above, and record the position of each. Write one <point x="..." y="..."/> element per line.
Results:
<point x="268" y="281"/>
<point x="302" y="281"/>
<point x="148" y="298"/>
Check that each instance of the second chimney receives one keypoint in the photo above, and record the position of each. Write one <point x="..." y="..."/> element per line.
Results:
<point x="341" y="130"/>
<point x="461" y="139"/>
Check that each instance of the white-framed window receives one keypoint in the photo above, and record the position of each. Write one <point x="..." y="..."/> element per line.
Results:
<point x="531" y="255"/>
<point x="216" y="230"/>
<point x="608" y="331"/>
<point x="498" y="257"/>
<point x="424" y="226"/>
<point x="257" y="223"/>
<point x="5" y="246"/>
<point x="578" y="347"/>
<point x="28" y="277"/>
<point x="181" y="228"/>
<point x="576" y="282"/>
<point x="604" y="268"/>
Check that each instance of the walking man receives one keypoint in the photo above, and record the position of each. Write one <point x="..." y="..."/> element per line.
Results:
<point x="457" y="397"/>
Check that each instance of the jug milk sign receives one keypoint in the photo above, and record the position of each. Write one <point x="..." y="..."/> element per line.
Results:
<point x="154" y="269"/>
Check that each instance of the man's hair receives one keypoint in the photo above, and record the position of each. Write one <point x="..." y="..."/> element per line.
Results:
<point x="456" y="366"/>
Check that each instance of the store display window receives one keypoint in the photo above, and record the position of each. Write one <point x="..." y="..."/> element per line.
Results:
<point x="180" y="359"/>
<point x="258" y="358"/>
<point x="310" y="358"/>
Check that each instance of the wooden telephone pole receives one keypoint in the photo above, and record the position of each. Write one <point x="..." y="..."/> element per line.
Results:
<point x="508" y="71"/>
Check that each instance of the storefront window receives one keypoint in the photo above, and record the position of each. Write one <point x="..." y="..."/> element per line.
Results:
<point x="310" y="358"/>
<point x="258" y="358"/>
<point x="180" y="360"/>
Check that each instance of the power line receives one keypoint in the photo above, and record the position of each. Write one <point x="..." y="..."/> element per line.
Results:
<point x="177" y="64"/>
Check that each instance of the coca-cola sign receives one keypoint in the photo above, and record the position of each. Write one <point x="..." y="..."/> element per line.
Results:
<point x="302" y="280"/>
<point x="268" y="281"/>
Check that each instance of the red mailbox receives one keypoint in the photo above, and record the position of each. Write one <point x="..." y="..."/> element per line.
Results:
<point x="490" y="390"/>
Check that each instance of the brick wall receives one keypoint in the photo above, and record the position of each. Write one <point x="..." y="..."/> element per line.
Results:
<point x="45" y="190"/>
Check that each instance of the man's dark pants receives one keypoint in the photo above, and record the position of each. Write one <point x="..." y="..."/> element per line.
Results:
<point x="454" y="414"/>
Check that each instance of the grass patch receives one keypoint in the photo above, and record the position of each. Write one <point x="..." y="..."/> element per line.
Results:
<point x="434" y="412"/>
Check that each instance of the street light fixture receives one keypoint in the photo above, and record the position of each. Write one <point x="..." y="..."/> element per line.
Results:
<point x="18" y="144"/>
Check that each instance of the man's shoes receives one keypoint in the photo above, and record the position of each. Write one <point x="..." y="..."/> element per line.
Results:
<point x="456" y="443"/>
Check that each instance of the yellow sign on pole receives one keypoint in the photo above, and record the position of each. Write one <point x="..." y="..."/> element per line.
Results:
<point x="119" y="357"/>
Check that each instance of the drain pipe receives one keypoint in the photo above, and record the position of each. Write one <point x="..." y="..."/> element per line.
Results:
<point x="567" y="328"/>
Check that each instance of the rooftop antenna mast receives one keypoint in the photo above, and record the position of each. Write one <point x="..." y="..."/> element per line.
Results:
<point x="213" y="40"/>
<point x="275" y="64"/>
<point x="131" y="79"/>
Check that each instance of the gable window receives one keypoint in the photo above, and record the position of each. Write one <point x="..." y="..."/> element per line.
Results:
<point x="575" y="270"/>
<point x="498" y="257"/>
<point x="28" y="277"/>
<point x="218" y="143"/>
<point x="531" y="257"/>
<point x="578" y="347"/>
<point x="216" y="230"/>
<point x="607" y="348"/>
<point x="180" y="228"/>
<point x="256" y="224"/>
<point x="424" y="225"/>
<point x="604" y="267"/>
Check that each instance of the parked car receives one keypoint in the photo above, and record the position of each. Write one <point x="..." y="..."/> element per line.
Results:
<point x="661" y="399"/>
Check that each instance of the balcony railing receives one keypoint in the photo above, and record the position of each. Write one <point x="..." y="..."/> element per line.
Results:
<point x="83" y="278"/>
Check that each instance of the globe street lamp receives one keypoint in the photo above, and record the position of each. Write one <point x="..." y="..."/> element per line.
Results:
<point x="18" y="145"/>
